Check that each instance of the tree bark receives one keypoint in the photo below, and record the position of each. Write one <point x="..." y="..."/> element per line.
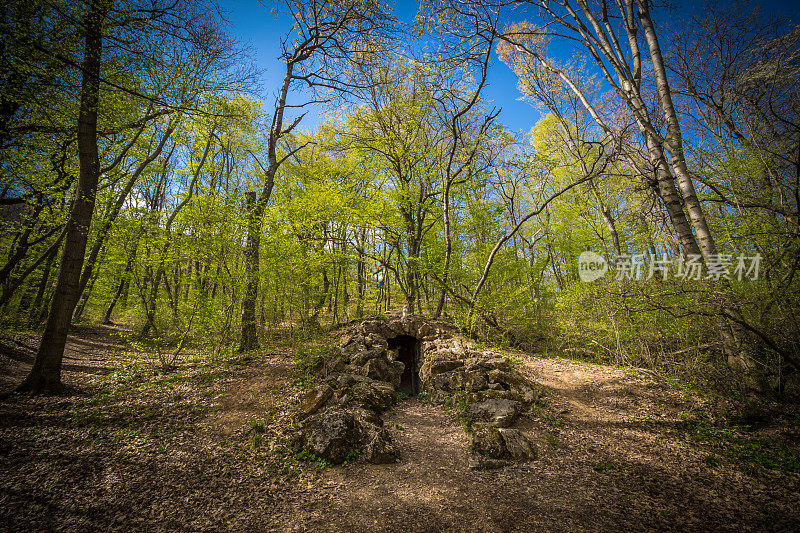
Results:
<point x="249" y="333"/>
<point x="674" y="140"/>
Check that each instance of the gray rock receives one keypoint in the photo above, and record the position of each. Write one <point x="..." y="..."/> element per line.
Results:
<point x="499" y="413"/>
<point x="334" y="365"/>
<point x="380" y="448"/>
<point x="377" y="368"/>
<point x="498" y="376"/>
<point x="500" y="363"/>
<point x="476" y="381"/>
<point x="345" y="340"/>
<point x="331" y="434"/>
<point x="352" y="369"/>
<point x="438" y="396"/>
<point x="487" y="441"/>
<point x="375" y="396"/>
<point x="354" y="346"/>
<point x="313" y="400"/>
<point x="395" y="372"/>
<point x="489" y="394"/>
<point x="528" y="395"/>
<point x="361" y="358"/>
<point x="448" y="381"/>
<point x="347" y="380"/>
<point x="518" y="445"/>
<point x="376" y="340"/>
<point x="368" y="421"/>
<point x="445" y="366"/>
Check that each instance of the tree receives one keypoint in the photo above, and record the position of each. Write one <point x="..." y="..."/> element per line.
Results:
<point x="326" y="41"/>
<point x="102" y="19"/>
<point x="46" y="372"/>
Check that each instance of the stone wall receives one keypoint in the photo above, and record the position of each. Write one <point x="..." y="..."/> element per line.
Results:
<point x="361" y="380"/>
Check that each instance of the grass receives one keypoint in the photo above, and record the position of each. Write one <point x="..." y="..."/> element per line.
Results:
<point x="603" y="466"/>
<point x="317" y="463"/>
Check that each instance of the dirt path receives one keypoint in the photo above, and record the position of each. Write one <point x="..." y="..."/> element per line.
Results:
<point x="606" y="463"/>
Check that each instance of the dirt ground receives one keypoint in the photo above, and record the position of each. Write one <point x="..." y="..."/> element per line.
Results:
<point x="202" y="449"/>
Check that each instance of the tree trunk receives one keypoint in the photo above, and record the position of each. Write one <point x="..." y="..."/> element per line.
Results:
<point x="732" y="333"/>
<point x="122" y="284"/>
<point x="46" y="372"/>
<point x="37" y="302"/>
<point x="448" y="250"/>
<point x="249" y="333"/>
<point x="611" y="224"/>
<point x="674" y="140"/>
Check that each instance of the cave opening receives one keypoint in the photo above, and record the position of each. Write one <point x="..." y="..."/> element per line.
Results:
<point x="407" y="353"/>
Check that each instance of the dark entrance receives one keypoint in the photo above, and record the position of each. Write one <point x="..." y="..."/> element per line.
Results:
<point x="407" y="353"/>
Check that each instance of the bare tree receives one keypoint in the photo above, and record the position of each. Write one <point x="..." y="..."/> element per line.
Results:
<point x="327" y="40"/>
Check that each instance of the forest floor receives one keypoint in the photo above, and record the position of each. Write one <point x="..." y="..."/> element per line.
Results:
<point x="203" y="448"/>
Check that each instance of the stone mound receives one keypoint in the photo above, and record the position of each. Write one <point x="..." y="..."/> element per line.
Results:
<point x="363" y="379"/>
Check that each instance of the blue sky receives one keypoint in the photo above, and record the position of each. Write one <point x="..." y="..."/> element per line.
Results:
<point x="258" y="25"/>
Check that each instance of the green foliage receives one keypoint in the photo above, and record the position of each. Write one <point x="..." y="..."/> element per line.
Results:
<point x="257" y="425"/>
<point x="310" y="357"/>
<point x="739" y="445"/>
<point x="316" y="462"/>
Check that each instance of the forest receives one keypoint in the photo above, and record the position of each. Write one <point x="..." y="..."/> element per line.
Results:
<point x="183" y="226"/>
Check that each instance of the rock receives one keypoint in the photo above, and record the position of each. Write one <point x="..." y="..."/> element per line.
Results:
<point x="444" y="366"/>
<point x="334" y="366"/>
<point x="518" y="445"/>
<point x="438" y="396"/>
<point x="484" y="463"/>
<point x="354" y="346"/>
<point x="487" y="441"/>
<point x="331" y="434"/>
<point x="368" y="421"/>
<point x="484" y="395"/>
<point x="394" y="373"/>
<point x="496" y="386"/>
<point x="375" y="340"/>
<point x="347" y="380"/>
<point x="381" y="449"/>
<point x="499" y="413"/>
<point x="375" y="396"/>
<point x="352" y="369"/>
<point x="448" y="381"/>
<point x="361" y="358"/>
<point x="476" y="381"/>
<point x="497" y="376"/>
<point x="369" y="326"/>
<point x="528" y="395"/>
<point x="509" y="380"/>
<point x="313" y="400"/>
<point x="377" y="368"/>
<point x="424" y="329"/>
<point x="396" y="328"/>
<point x="500" y="363"/>
<point x="345" y="340"/>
